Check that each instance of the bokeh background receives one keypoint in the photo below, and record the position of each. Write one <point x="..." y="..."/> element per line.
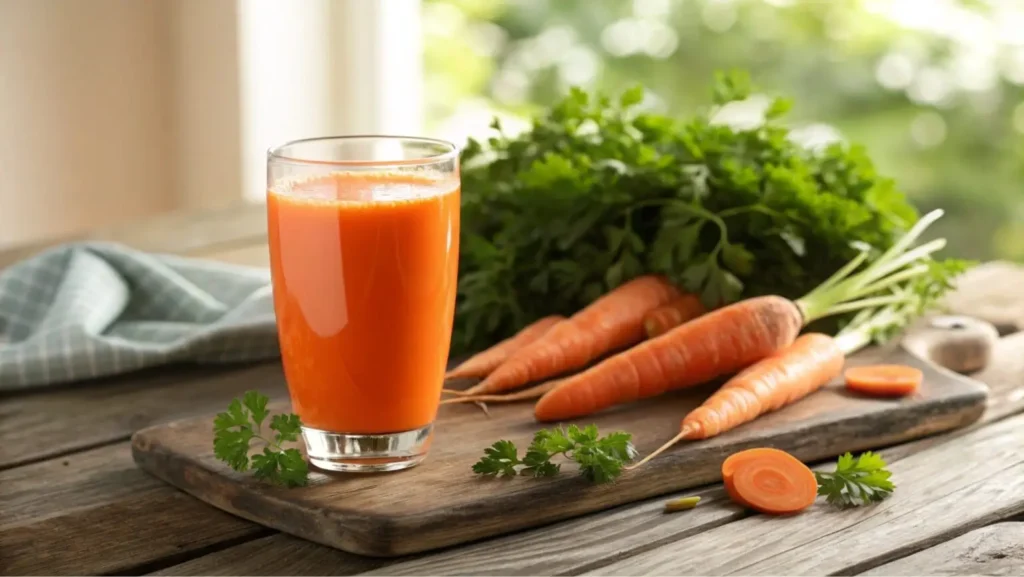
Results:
<point x="118" y="110"/>
<point x="933" y="88"/>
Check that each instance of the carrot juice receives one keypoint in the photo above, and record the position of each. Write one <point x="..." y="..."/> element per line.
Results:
<point x="364" y="269"/>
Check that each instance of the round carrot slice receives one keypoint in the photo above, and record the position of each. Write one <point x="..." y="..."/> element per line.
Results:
<point x="734" y="460"/>
<point x="773" y="482"/>
<point x="883" y="380"/>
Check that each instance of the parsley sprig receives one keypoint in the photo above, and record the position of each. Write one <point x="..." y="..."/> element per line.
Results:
<point x="235" y="429"/>
<point x="856" y="481"/>
<point x="600" y="459"/>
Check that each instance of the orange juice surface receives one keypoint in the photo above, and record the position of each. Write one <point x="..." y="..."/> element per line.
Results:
<point x="364" y="270"/>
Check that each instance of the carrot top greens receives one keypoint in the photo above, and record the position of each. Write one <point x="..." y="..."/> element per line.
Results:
<point x="599" y="191"/>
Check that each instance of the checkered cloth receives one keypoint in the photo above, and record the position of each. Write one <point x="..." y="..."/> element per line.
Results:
<point x="95" y="309"/>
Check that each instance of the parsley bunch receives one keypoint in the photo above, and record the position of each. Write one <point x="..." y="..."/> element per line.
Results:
<point x="857" y="481"/>
<point x="600" y="459"/>
<point x="599" y="191"/>
<point x="235" y="429"/>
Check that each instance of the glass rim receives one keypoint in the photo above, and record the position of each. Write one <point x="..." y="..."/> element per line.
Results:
<point x="274" y="153"/>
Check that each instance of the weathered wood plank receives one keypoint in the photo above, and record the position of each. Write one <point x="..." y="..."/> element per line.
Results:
<point x="1005" y="379"/>
<point x="180" y="232"/>
<point x="95" y="512"/>
<point x="576" y="545"/>
<point x="602" y="538"/>
<point x="255" y="254"/>
<point x="277" y="554"/>
<point x="596" y="540"/>
<point x="87" y="414"/>
<point x="394" y="515"/>
<point x="948" y="490"/>
<point x="990" y="291"/>
<point x="994" y="550"/>
<point x="579" y="544"/>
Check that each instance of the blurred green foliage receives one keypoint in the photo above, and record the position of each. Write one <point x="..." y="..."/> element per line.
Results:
<point x="935" y="93"/>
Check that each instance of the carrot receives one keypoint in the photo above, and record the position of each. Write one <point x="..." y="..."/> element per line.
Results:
<point x="685" y="308"/>
<point x="782" y="378"/>
<point x="732" y="462"/>
<point x="773" y="482"/>
<point x="481" y="364"/>
<point x="719" y="343"/>
<point x="883" y="380"/>
<point x="785" y="377"/>
<point x="733" y="337"/>
<point x="611" y="322"/>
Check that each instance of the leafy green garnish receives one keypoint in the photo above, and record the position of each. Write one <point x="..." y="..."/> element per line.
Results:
<point x="599" y="191"/>
<point x="857" y="481"/>
<point x="600" y="459"/>
<point x="234" y="430"/>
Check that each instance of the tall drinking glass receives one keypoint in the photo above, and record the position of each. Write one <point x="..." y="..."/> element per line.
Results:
<point x="364" y="244"/>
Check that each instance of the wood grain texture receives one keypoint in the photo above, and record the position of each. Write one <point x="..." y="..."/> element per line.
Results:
<point x="994" y="550"/>
<point x="576" y="545"/>
<point x="82" y="415"/>
<point x="96" y="512"/>
<point x="991" y="292"/>
<point x="948" y="490"/>
<point x="257" y="254"/>
<point x="389" y="515"/>
<point x="1004" y="377"/>
<point x="179" y="232"/>
<point x="277" y="554"/>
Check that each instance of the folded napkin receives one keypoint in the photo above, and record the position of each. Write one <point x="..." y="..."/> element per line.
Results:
<point x="94" y="309"/>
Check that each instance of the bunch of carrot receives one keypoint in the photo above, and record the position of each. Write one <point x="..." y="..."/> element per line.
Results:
<point x="648" y="337"/>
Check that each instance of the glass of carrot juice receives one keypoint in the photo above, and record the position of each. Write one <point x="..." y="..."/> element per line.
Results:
<point x="364" y="244"/>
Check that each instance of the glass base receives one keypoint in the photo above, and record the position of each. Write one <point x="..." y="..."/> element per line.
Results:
<point x="354" y="453"/>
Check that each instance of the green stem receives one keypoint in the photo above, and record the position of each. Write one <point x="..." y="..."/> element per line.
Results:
<point x="911" y="235"/>
<point x="737" y="210"/>
<point x="904" y="259"/>
<point x="864" y="303"/>
<point x="838" y="276"/>
<point x="858" y="334"/>
<point x="893" y="279"/>
<point x="840" y="292"/>
<point x="708" y="215"/>
<point x="723" y="237"/>
<point x="269" y="443"/>
<point x="853" y="341"/>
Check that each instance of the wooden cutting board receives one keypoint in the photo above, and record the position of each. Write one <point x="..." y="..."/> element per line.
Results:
<point x="441" y="502"/>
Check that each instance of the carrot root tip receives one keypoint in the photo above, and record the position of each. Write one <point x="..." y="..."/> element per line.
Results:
<point x="683" y="433"/>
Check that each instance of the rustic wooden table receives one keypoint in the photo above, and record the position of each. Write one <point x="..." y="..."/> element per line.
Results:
<point x="72" y="500"/>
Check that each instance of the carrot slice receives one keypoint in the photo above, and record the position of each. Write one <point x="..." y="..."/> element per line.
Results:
<point x="883" y="380"/>
<point x="772" y="482"/>
<point x="733" y="461"/>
